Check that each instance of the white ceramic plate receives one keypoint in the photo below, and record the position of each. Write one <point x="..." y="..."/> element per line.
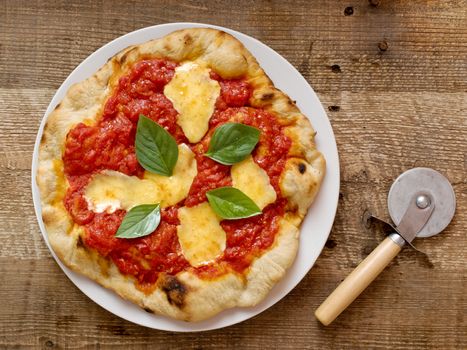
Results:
<point x="315" y="229"/>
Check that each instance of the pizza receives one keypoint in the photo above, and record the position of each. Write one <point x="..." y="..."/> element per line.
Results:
<point x="178" y="176"/>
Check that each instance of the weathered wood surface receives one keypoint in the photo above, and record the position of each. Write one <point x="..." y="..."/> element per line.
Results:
<point x="394" y="80"/>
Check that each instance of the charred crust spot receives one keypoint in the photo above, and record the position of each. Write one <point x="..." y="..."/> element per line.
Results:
<point x="293" y="208"/>
<point x="301" y="168"/>
<point x="267" y="97"/>
<point x="221" y="34"/>
<point x="174" y="289"/>
<point x="58" y="106"/>
<point x="44" y="137"/>
<point x="125" y="56"/>
<point x="148" y="310"/>
<point x="188" y="40"/>
<point x="45" y="219"/>
<point x="244" y="58"/>
<point x="80" y="243"/>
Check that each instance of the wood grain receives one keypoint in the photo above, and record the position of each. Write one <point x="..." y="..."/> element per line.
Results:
<point x="393" y="79"/>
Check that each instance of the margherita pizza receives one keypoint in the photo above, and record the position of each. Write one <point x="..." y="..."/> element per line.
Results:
<point x="178" y="176"/>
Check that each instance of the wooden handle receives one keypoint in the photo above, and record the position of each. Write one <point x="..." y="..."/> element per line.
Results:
<point x="357" y="281"/>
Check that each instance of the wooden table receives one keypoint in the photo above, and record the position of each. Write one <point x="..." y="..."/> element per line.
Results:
<point x="393" y="78"/>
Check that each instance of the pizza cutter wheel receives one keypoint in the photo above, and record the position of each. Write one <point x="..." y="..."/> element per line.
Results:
<point x="421" y="203"/>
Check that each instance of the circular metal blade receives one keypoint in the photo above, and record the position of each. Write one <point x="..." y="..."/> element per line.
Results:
<point x="427" y="181"/>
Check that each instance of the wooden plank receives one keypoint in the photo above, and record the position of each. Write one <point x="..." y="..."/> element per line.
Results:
<point x="54" y="310"/>
<point x="426" y="43"/>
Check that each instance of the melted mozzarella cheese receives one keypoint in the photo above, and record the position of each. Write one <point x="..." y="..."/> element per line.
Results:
<point x="201" y="237"/>
<point x="112" y="190"/>
<point x="251" y="179"/>
<point x="193" y="94"/>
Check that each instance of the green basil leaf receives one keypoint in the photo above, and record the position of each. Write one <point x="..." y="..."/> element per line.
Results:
<point x="156" y="149"/>
<point x="232" y="143"/>
<point x="231" y="203"/>
<point x="140" y="221"/>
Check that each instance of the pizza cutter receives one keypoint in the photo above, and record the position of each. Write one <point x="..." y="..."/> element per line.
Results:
<point x="421" y="203"/>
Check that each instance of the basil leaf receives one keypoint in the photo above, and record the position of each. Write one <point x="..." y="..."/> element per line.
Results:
<point x="140" y="221"/>
<point x="232" y="143"/>
<point x="156" y="149"/>
<point x="231" y="203"/>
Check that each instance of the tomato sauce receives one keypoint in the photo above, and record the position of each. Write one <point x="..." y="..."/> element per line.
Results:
<point x="110" y="145"/>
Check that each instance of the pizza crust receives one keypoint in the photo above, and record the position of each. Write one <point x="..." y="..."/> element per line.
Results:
<point x="184" y="296"/>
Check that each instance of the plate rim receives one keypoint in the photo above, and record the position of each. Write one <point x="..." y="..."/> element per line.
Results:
<point x="239" y="314"/>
